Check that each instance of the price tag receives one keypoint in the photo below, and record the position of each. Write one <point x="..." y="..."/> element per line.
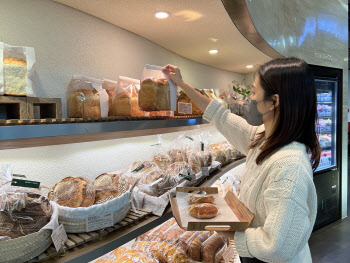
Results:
<point x="59" y="237"/>
<point x="99" y="222"/>
<point x="25" y="183"/>
<point x="228" y="254"/>
<point x="185" y="108"/>
<point x="205" y="171"/>
<point x="191" y="178"/>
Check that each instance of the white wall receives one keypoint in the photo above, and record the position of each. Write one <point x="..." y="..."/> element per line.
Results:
<point x="70" y="42"/>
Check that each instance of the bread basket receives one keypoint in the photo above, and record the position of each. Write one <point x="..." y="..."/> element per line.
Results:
<point x="24" y="248"/>
<point x="74" y="220"/>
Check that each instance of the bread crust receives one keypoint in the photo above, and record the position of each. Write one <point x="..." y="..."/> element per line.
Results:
<point x="15" y="61"/>
<point x="197" y="199"/>
<point x="203" y="211"/>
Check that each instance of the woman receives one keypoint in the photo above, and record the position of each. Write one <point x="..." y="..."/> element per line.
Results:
<point x="277" y="137"/>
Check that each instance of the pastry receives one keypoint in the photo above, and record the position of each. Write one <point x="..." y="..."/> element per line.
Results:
<point x="197" y="198"/>
<point x="162" y="251"/>
<point x="15" y="76"/>
<point x="162" y="160"/>
<point x="178" y="168"/>
<point x="195" y="244"/>
<point x="74" y="192"/>
<point x="154" y="233"/>
<point x="172" y="234"/>
<point x="148" y="95"/>
<point x="204" y="210"/>
<point x="211" y="246"/>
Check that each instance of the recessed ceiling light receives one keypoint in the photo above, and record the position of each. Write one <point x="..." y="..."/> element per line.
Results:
<point x="161" y="15"/>
<point x="213" y="51"/>
<point x="249" y="66"/>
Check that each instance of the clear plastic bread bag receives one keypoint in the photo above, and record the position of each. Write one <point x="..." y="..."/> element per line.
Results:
<point x="205" y="139"/>
<point x="22" y="210"/>
<point x="160" y="153"/>
<point x="193" y="154"/>
<point x="125" y="97"/>
<point x="212" y="248"/>
<point x="109" y="86"/>
<point x="157" y="92"/>
<point x="17" y="70"/>
<point x="86" y="98"/>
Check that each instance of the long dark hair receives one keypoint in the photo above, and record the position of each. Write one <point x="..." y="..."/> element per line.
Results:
<point x="293" y="81"/>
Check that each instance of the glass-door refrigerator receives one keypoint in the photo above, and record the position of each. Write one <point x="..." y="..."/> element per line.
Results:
<point x="327" y="176"/>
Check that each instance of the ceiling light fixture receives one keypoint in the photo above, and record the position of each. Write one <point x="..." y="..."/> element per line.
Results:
<point x="213" y="51"/>
<point x="249" y="66"/>
<point x="161" y="15"/>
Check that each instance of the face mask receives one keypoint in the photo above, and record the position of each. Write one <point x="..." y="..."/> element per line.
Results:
<point x="251" y="113"/>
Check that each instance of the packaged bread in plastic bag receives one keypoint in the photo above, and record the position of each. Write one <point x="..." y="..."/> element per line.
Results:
<point x="23" y="210"/>
<point x="213" y="248"/>
<point x="109" y="86"/>
<point x="194" y="245"/>
<point x="125" y="98"/>
<point x="156" y="92"/>
<point x="74" y="192"/>
<point x="156" y="233"/>
<point x="161" y="156"/>
<point x="86" y="98"/>
<point x="185" y="106"/>
<point x="17" y="70"/>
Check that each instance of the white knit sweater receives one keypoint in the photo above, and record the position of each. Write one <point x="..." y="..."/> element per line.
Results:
<point x="280" y="192"/>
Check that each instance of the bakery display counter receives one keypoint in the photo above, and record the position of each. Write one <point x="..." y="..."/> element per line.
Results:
<point x="85" y="248"/>
<point x="64" y="131"/>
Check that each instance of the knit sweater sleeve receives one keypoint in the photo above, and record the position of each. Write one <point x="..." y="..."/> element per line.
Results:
<point x="235" y="129"/>
<point x="289" y="221"/>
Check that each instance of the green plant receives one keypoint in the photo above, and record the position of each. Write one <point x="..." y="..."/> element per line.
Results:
<point x="244" y="92"/>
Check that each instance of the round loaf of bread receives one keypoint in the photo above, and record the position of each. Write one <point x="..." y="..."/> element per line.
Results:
<point x="197" y="199"/>
<point x="108" y="186"/>
<point x="74" y="192"/>
<point x="204" y="210"/>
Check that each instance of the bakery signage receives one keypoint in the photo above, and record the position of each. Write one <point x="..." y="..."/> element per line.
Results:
<point x="99" y="222"/>
<point x="25" y="183"/>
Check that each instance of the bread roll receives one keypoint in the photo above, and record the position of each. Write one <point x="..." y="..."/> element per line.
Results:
<point x="197" y="199"/>
<point x="204" y="210"/>
<point x="15" y="76"/>
<point x="148" y="95"/>
<point x="163" y="95"/>
<point x="74" y="192"/>
<point x="122" y="104"/>
<point x="195" y="244"/>
<point x="211" y="246"/>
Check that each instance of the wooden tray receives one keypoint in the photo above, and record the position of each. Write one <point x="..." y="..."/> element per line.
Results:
<point x="76" y="240"/>
<point x="242" y="216"/>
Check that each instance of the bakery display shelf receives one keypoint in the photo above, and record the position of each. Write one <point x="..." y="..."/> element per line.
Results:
<point x="78" y="240"/>
<point x="22" y="136"/>
<point x="86" y="252"/>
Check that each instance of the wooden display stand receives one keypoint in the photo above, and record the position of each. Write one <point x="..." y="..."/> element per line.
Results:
<point x="26" y="108"/>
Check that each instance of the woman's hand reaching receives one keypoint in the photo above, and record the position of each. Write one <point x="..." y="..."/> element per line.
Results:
<point x="174" y="74"/>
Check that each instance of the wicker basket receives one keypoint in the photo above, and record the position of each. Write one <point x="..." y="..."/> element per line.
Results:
<point x="74" y="219"/>
<point x="25" y="248"/>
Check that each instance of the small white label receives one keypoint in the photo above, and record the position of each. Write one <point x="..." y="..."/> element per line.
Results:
<point x="185" y="108"/>
<point x="229" y="254"/>
<point x="205" y="171"/>
<point x="99" y="222"/>
<point x="59" y="237"/>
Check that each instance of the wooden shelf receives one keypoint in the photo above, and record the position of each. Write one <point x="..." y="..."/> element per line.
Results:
<point x="99" y="247"/>
<point x="34" y="135"/>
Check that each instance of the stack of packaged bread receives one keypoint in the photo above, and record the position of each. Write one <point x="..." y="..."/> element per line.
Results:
<point x="168" y="243"/>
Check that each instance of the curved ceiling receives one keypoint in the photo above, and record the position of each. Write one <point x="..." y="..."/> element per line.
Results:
<point x="192" y="29"/>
